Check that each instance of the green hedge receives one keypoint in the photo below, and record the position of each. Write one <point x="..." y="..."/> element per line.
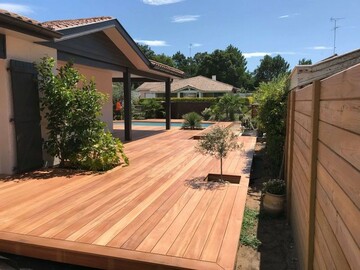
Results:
<point x="246" y="100"/>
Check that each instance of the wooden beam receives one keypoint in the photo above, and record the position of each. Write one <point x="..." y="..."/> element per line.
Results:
<point x="127" y="105"/>
<point x="168" y="103"/>
<point x="148" y="75"/>
<point x="135" y="80"/>
<point x="313" y="170"/>
<point x="290" y="152"/>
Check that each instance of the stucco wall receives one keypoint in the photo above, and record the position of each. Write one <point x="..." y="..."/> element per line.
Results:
<point x="19" y="48"/>
<point x="103" y="80"/>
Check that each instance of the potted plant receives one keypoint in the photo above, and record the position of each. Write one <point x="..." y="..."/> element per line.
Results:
<point x="274" y="192"/>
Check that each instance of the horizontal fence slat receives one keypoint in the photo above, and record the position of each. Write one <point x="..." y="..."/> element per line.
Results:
<point x="342" y="85"/>
<point x="303" y="120"/>
<point x="347" y="177"/>
<point x="304" y="93"/>
<point x="350" y="248"/>
<point x="348" y="211"/>
<point x="304" y="150"/>
<point x="342" y="142"/>
<point x="341" y="113"/>
<point x="329" y="237"/>
<point x="303" y="134"/>
<point x="303" y="107"/>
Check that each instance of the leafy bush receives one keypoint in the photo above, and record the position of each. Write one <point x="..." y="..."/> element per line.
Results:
<point x="271" y="117"/>
<point x="151" y="107"/>
<point x="274" y="186"/>
<point x="75" y="133"/>
<point x="192" y="120"/>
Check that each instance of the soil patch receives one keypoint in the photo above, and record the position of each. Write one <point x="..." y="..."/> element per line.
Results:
<point x="276" y="250"/>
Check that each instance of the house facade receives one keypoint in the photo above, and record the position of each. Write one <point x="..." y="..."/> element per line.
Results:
<point x="100" y="49"/>
<point x="194" y="87"/>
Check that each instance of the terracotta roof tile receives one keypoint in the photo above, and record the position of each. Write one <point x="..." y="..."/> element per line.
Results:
<point x="64" y="24"/>
<point x="201" y="83"/>
<point x="163" y="67"/>
<point x="21" y="18"/>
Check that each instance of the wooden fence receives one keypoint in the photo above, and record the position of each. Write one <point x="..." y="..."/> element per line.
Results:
<point x="323" y="171"/>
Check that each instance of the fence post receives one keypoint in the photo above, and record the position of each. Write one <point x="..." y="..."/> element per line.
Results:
<point x="313" y="170"/>
<point x="289" y="152"/>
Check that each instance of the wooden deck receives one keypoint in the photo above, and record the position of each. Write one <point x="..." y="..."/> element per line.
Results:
<point x="156" y="213"/>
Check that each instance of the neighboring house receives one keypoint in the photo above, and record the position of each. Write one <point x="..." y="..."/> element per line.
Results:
<point x="198" y="86"/>
<point x="100" y="48"/>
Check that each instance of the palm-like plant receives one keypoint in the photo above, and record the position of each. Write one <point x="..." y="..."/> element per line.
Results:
<point x="192" y="120"/>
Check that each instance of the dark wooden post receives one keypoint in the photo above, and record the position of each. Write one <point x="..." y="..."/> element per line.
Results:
<point x="127" y="105"/>
<point x="168" y="103"/>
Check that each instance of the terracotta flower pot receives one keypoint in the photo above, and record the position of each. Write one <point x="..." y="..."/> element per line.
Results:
<point x="273" y="204"/>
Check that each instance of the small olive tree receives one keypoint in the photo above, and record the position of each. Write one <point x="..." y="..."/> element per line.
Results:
<point x="72" y="108"/>
<point x="218" y="142"/>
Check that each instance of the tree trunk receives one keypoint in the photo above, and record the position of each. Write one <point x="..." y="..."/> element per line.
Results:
<point x="221" y="170"/>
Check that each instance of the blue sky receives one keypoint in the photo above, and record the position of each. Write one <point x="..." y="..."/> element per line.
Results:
<point x="292" y="28"/>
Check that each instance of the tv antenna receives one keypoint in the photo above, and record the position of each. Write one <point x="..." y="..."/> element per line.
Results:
<point x="334" y="29"/>
<point x="190" y="46"/>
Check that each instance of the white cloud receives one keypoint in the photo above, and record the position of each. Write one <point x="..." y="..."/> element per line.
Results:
<point x="185" y="18"/>
<point x="284" y="16"/>
<point x="262" y="54"/>
<point x="152" y="43"/>
<point x="196" y="44"/>
<point x="160" y="2"/>
<point x="17" y="8"/>
<point x="318" y="48"/>
<point x="255" y="54"/>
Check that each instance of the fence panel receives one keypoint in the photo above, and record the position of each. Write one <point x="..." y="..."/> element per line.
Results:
<point x="323" y="171"/>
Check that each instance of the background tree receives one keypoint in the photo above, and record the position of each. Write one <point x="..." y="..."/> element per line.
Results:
<point x="146" y="49"/>
<point x="270" y="68"/>
<point x="218" y="142"/>
<point x="228" y="65"/>
<point x="305" y="62"/>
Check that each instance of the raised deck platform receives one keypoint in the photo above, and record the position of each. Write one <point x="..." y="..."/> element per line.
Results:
<point x="156" y="213"/>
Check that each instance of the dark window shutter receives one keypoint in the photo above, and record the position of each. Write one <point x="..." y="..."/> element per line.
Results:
<point x="2" y="46"/>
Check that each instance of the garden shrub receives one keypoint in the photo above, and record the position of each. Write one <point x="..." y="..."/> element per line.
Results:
<point x="271" y="118"/>
<point x="151" y="107"/>
<point x="192" y="120"/>
<point x="72" y="109"/>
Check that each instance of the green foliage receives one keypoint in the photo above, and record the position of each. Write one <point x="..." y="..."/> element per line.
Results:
<point x="192" y="120"/>
<point x="228" y="65"/>
<point x="226" y="107"/>
<point x="218" y="142"/>
<point x="248" y="230"/>
<point x="150" y="107"/>
<point x="305" y="61"/>
<point x="271" y="117"/>
<point x="274" y="186"/>
<point x="72" y="113"/>
<point x="270" y="68"/>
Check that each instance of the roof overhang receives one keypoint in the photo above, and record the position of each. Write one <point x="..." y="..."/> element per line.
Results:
<point x="26" y="27"/>
<point x="120" y="37"/>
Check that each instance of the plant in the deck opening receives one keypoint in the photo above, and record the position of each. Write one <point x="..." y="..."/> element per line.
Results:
<point x="192" y="120"/>
<point x="72" y="108"/>
<point x="218" y="142"/>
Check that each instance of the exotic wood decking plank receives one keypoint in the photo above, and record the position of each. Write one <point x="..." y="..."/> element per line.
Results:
<point x="124" y="218"/>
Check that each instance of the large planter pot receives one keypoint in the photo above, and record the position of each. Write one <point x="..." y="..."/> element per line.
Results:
<point x="273" y="204"/>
